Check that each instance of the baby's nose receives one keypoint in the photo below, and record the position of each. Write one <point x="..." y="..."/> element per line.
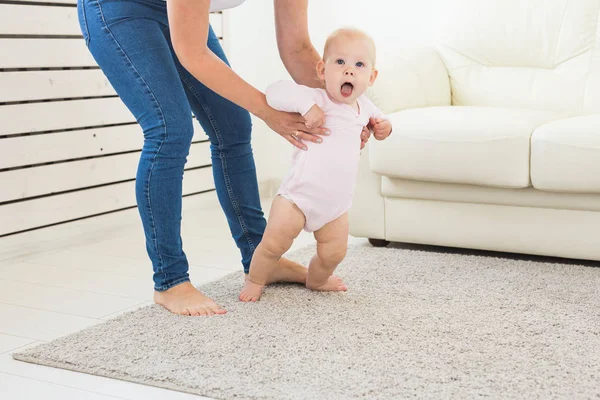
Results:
<point x="349" y="72"/>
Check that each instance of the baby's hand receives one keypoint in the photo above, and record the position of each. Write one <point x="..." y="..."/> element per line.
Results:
<point x="314" y="118"/>
<point x="381" y="128"/>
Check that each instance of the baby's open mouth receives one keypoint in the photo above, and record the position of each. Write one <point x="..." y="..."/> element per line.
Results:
<point x="347" y="88"/>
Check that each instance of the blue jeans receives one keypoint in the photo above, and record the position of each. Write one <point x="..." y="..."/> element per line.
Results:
<point x="130" y="41"/>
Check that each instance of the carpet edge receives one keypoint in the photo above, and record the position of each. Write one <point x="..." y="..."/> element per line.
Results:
<point x="65" y="366"/>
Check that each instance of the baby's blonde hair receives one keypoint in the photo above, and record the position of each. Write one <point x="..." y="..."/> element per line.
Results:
<point x="351" y="33"/>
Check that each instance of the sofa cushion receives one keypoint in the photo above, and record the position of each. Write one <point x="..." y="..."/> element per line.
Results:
<point x="455" y="193"/>
<point x="565" y="155"/>
<point x="470" y="145"/>
<point x="521" y="54"/>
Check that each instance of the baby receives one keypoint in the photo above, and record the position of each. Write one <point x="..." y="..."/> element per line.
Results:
<point x="317" y="192"/>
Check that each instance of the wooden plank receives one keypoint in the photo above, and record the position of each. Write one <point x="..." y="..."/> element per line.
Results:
<point x="74" y="2"/>
<point x="24" y="215"/>
<point x="25" y="19"/>
<point x="44" y="53"/>
<point x="47" y="179"/>
<point x="39" y="117"/>
<point x="36" y="149"/>
<point x="44" y="85"/>
<point x="62" y="115"/>
<point x="19" y="19"/>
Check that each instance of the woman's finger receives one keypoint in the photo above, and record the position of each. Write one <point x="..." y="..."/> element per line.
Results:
<point x="296" y="141"/>
<point x="307" y="136"/>
<point x="314" y="131"/>
<point x="365" y="134"/>
<point x="364" y="137"/>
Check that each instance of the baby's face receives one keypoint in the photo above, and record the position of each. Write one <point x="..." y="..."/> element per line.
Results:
<point x="348" y="68"/>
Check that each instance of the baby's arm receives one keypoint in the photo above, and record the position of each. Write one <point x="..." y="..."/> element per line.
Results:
<point x="291" y="97"/>
<point x="382" y="127"/>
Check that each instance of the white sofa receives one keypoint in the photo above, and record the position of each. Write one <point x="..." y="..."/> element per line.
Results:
<point x="496" y="133"/>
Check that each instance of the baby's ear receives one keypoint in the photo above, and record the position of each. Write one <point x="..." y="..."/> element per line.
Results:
<point x="321" y="70"/>
<point x="373" y="77"/>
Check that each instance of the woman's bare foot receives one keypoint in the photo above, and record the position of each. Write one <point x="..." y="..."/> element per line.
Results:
<point x="185" y="299"/>
<point x="333" y="284"/>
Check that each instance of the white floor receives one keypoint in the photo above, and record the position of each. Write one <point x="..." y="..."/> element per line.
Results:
<point x="58" y="280"/>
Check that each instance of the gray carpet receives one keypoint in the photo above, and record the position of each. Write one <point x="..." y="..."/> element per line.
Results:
<point x="414" y="324"/>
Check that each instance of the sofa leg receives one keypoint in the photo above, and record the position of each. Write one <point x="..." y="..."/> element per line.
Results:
<point x="378" y="242"/>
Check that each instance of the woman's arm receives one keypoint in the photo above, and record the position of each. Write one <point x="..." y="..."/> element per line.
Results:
<point x="293" y="41"/>
<point x="188" y="21"/>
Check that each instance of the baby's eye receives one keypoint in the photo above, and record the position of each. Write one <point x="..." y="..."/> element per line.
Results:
<point x="339" y="61"/>
<point x="360" y="64"/>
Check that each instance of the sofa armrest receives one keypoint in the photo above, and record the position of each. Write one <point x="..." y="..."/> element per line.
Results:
<point x="367" y="215"/>
<point x="412" y="78"/>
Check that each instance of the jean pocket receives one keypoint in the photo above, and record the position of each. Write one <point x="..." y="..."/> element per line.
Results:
<point x="83" y="25"/>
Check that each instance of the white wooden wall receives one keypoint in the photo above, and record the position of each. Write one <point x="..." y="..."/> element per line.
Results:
<point x="61" y="160"/>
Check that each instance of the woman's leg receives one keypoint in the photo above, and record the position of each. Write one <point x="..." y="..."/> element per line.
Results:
<point x="229" y="129"/>
<point x="125" y="37"/>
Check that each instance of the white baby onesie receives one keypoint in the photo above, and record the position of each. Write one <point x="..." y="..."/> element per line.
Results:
<point x="322" y="179"/>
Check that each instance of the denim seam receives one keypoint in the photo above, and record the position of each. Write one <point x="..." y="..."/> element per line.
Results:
<point x="223" y="161"/>
<point x="171" y="284"/>
<point x="85" y="30"/>
<point x="163" y="120"/>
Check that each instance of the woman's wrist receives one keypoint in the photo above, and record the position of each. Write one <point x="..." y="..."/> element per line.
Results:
<point x="261" y="108"/>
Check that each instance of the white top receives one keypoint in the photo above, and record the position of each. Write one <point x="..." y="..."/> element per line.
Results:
<point x="219" y="5"/>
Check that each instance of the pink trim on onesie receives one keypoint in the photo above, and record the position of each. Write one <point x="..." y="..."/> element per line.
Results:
<point x="322" y="180"/>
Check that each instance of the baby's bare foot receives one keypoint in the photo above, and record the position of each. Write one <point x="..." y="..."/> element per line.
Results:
<point x="185" y="299"/>
<point x="333" y="284"/>
<point x="251" y="291"/>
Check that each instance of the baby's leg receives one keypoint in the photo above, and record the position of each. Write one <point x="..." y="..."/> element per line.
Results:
<point x="332" y="242"/>
<point x="284" y="224"/>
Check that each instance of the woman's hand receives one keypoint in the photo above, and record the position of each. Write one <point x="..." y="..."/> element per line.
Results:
<point x="364" y="136"/>
<point x="292" y="127"/>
